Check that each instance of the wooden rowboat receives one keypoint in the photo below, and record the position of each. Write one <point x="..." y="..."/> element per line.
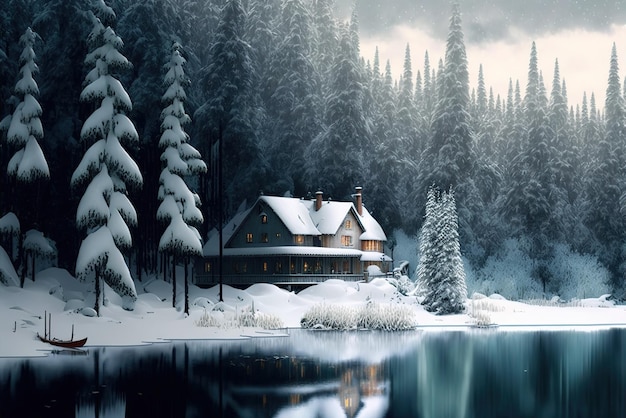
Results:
<point x="71" y="343"/>
<point x="63" y="343"/>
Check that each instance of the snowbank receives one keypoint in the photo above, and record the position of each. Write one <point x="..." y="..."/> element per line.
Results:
<point x="154" y="320"/>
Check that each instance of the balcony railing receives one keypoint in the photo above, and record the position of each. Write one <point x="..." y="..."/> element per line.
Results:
<point x="249" y="279"/>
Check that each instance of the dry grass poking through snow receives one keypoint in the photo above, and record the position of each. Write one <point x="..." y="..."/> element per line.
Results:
<point x="373" y="316"/>
<point x="247" y="317"/>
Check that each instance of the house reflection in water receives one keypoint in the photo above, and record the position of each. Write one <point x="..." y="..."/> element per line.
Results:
<point x="302" y="387"/>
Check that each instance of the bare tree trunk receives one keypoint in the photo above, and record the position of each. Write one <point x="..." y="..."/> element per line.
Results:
<point x="97" y="304"/>
<point x="32" y="259"/>
<point x="174" y="280"/>
<point x="187" y="285"/>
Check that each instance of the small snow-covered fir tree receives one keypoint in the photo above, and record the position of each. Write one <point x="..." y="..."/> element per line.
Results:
<point x="24" y="127"/>
<point x="179" y="206"/>
<point x="36" y="245"/>
<point x="440" y="272"/>
<point x="105" y="212"/>
<point x="23" y="131"/>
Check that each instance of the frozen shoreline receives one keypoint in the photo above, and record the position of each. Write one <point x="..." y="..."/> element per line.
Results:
<point x="155" y="321"/>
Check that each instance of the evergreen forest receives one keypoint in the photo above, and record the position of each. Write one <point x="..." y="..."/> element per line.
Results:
<point x="281" y="89"/>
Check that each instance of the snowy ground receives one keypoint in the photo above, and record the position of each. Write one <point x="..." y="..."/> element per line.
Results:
<point x="154" y="320"/>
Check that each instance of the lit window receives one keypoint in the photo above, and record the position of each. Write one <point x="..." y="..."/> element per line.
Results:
<point x="299" y="239"/>
<point x="265" y="237"/>
<point x="346" y="240"/>
<point x="348" y="224"/>
<point x="263" y="218"/>
<point x="207" y="267"/>
<point x="265" y="267"/>
<point x="278" y="235"/>
<point x="278" y="267"/>
<point x="249" y="237"/>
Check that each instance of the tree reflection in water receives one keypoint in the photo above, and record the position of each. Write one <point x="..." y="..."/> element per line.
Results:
<point x="328" y="374"/>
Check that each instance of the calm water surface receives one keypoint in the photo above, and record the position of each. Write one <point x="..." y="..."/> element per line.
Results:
<point x="472" y="373"/>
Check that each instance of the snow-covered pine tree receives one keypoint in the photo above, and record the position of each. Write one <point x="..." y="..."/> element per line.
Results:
<point x="605" y="180"/>
<point x="179" y="206"/>
<point x="104" y="211"/>
<point x="9" y="232"/>
<point x="24" y="127"/>
<point x="295" y="104"/>
<point x="336" y="157"/>
<point x="23" y="131"/>
<point x="36" y="245"/>
<point x="229" y="117"/>
<point x="440" y="272"/>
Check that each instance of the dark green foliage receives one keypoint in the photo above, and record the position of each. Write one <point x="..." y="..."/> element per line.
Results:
<point x="283" y="85"/>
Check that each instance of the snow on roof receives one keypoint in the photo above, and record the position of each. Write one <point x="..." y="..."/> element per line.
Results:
<point x="330" y="216"/>
<point x="212" y="245"/>
<point x="293" y="213"/>
<point x="374" y="256"/>
<point x="373" y="230"/>
<point x="301" y="218"/>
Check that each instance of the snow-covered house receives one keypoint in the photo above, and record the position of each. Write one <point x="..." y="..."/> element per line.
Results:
<point x="295" y="241"/>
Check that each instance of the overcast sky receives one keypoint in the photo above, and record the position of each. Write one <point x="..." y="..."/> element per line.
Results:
<point x="498" y="35"/>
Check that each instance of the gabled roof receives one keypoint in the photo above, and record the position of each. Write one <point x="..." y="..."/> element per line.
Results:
<point x="300" y="218"/>
<point x="372" y="229"/>
<point x="292" y="213"/>
<point x="330" y="216"/>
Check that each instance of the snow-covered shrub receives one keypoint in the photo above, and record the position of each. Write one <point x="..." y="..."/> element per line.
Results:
<point x="328" y="316"/>
<point x="481" y="319"/>
<point x="385" y="317"/>
<point x="268" y="321"/>
<point x="578" y="275"/>
<point x="8" y="275"/>
<point x="403" y="284"/>
<point x="373" y="316"/>
<point x="248" y="317"/>
<point x="208" y="320"/>
<point x="508" y="273"/>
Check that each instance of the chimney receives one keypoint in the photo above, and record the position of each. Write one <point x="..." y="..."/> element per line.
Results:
<point x="318" y="200"/>
<point x="359" y="200"/>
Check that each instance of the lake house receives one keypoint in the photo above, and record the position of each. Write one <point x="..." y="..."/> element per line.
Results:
<point x="285" y="240"/>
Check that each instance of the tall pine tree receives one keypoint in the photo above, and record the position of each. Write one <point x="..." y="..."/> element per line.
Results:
<point x="440" y="273"/>
<point x="105" y="211"/>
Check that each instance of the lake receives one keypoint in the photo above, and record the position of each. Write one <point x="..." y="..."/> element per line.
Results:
<point x="424" y="373"/>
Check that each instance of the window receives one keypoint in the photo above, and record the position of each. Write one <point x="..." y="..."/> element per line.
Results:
<point x="371" y="246"/>
<point x="249" y="237"/>
<point x="265" y="237"/>
<point x="265" y="268"/>
<point x="207" y="267"/>
<point x="299" y="239"/>
<point x="278" y="235"/>
<point x="346" y="240"/>
<point x="278" y="267"/>
<point x="263" y="218"/>
<point x="348" y="224"/>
